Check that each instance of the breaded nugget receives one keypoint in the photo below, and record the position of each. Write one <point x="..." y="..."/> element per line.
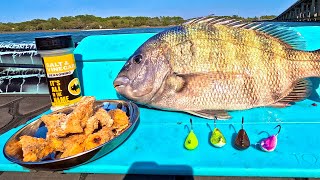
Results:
<point x="101" y="117"/>
<point x="120" y="119"/>
<point x="56" y="144"/>
<point x="76" y="138"/>
<point x="53" y="123"/>
<point x="92" y="124"/>
<point x="14" y="148"/>
<point x="73" y="149"/>
<point x="77" y="119"/>
<point x="61" y="144"/>
<point x="72" y="145"/>
<point x="84" y="110"/>
<point x="98" y="138"/>
<point x="104" y="118"/>
<point x="34" y="149"/>
<point x="60" y="125"/>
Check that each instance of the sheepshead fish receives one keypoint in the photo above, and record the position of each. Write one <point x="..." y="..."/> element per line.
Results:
<point x="208" y="66"/>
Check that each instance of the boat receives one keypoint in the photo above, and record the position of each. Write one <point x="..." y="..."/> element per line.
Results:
<point x="156" y="146"/>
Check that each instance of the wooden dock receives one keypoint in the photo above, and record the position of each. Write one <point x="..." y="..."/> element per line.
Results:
<point x="302" y="10"/>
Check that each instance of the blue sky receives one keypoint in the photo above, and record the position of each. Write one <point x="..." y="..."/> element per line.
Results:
<point x="22" y="10"/>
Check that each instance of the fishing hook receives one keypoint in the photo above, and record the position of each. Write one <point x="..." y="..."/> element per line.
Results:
<point x="278" y="130"/>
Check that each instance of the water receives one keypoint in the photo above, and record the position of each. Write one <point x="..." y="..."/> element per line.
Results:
<point x="77" y="36"/>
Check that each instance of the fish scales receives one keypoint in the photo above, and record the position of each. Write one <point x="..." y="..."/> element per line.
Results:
<point x="193" y="53"/>
<point x="235" y="57"/>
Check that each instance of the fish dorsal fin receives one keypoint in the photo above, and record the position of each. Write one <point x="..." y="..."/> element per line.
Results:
<point x="301" y="90"/>
<point x="293" y="38"/>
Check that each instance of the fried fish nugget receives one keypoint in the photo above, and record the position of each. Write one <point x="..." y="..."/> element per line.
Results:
<point x="120" y="119"/>
<point x="101" y="117"/>
<point x="56" y="144"/>
<point x="61" y="144"/>
<point x="104" y="118"/>
<point x="14" y="148"/>
<point x="77" y="119"/>
<point x="76" y="138"/>
<point x="98" y="138"/>
<point x="72" y="150"/>
<point x="83" y="110"/>
<point x="53" y="123"/>
<point x="92" y="124"/>
<point x="60" y="125"/>
<point x="72" y="145"/>
<point x="34" y="149"/>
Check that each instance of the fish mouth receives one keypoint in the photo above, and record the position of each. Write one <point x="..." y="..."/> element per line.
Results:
<point x="120" y="82"/>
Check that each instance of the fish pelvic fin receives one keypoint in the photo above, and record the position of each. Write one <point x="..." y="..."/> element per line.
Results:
<point x="301" y="90"/>
<point x="211" y="114"/>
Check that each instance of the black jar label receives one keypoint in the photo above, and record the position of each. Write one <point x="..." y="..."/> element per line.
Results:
<point x="63" y="82"/>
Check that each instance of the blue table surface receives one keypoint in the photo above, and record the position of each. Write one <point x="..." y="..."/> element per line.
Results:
<point x="156" y="146"/>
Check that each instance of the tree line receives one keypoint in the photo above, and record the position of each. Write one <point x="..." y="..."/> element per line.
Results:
<point x="94" y="22"/>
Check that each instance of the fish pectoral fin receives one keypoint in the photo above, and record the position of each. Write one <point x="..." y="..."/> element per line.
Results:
<point x="176" y="82"/>
<point x="301" y="90"/>
<point x="211" y="114"/>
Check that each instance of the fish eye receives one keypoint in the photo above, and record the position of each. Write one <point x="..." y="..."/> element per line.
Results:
<point x="137" y="59"/>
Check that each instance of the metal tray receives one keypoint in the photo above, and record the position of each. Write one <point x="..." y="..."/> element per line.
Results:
<point x="38" y="129"/>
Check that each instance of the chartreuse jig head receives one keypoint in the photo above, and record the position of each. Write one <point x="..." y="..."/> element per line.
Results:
<point x="242" y="141"/>
<point x="191" y="141"/>
<point x="217" y="139"/>
<point x="269" y="144"/>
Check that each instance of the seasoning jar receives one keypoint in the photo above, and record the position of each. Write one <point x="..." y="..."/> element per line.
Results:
<point x="60" y="67"/>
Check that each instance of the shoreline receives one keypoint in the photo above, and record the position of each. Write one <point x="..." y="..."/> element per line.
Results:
<point x="39" y="31"/>
<point x="77" y="30"/>
<point x="98" y="29"/>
